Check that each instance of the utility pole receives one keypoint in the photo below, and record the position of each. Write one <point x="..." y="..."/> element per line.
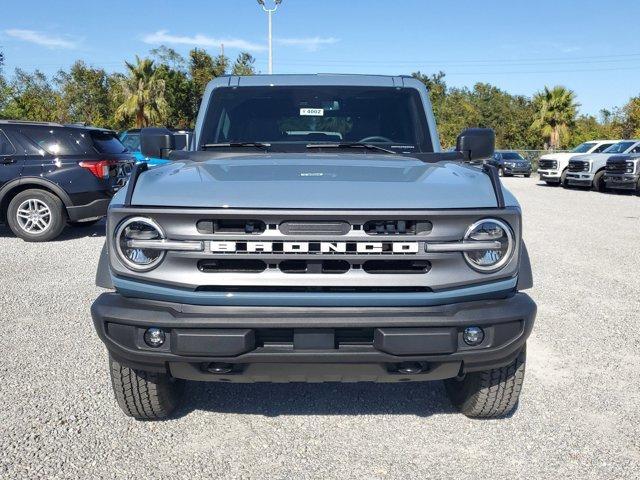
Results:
<point x="270" y="12"/>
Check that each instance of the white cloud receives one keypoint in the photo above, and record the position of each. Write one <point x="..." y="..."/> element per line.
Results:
<point x="310" y="44"/>
<point x="43" y="39"/>
<point x="199" y="40"/>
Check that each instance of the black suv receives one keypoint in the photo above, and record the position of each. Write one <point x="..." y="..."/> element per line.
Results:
<point x="52" y="175"/>
<point x="510" y="163"/>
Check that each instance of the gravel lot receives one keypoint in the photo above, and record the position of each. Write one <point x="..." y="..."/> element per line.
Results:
<point x="578" y="416"/>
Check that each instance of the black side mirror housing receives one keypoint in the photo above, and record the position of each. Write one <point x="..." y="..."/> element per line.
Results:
<point x="156" y="142"/>
<point x="476" y="143"/>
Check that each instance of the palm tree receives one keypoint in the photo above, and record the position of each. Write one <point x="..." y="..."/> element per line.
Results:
<point x="143" y="90"/>
<point x="556" y="112"/>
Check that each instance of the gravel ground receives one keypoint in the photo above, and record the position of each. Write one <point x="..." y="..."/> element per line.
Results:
<point x="578" y="415"/>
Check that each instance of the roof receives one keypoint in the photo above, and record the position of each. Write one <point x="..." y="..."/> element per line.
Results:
<point x="337" y="79"/>
<point x="54" y="124"/>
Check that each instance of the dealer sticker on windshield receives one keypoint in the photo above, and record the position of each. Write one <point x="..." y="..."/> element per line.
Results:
<point x="312" y="112"/>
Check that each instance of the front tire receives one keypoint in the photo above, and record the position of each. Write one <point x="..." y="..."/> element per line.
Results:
<point x="145" y="395"/>
<point x="599" y="184"/>
<point x="490" y="393"/>
<point x="36" y="215"/>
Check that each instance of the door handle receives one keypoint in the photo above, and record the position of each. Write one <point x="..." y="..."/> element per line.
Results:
<point x="7" y="161"/>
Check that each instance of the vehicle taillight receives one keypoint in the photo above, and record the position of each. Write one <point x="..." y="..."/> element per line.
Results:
<point x="100" y="168"/>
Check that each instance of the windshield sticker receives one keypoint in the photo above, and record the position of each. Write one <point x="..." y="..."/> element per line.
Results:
<point x="312" y="112"/>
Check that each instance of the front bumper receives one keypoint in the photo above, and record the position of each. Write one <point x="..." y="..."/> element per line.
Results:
<point x="313" y="343"/>
<point x="622" y="181"/>
<point x="517" y="170"/>
<point x="549" y="175"/>
<point x="580" y="179"/>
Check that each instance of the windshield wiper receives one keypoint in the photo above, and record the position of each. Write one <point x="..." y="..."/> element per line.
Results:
<point x="367" y="146"/>
<point x="260" y="145"/>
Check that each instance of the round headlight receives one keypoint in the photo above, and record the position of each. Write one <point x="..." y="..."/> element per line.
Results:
<point x="134" y="257"/>
<point x="492" y="231"/>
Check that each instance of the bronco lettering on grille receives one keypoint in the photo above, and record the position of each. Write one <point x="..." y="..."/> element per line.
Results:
<point x="315" y="247"/>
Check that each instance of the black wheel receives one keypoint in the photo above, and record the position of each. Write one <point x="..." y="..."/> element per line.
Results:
<point x="563" y="179"/>
<point x="638" y="188"/>
<point x="599" y="184"/>
<point x="145" y="395"/>
<point x="36" y="215"/>
<point x="86" y="223"/>
<point x="527" y="175"/>
<point x="489" y="393"/>
<point x="551" y="184"/>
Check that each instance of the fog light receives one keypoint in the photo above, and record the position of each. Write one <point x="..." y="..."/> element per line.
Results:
<point x="154" y="337"/>
<point x="473" y="336"/>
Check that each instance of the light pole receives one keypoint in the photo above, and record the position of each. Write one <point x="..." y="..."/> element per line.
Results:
<point x="270" y="12"/>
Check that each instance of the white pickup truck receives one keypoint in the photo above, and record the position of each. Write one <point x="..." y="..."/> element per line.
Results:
<point x="589" y="170"/>
<point x="552" y="167"/>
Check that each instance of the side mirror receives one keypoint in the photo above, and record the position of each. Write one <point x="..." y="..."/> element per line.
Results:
<point x="476" y="143"/>
<point x="156" y="142"/>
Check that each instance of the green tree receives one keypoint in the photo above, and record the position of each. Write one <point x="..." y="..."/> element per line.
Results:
<point x="556" y="113"/>
<point x="171" y="67"/>
<point x="144" y="95"/>
<point x="30" y="96"/>
<point x="631" y="118"/>
<point x="203" y="68"/>
<point x="244" y="65"/>
<point x="84" y="94"/>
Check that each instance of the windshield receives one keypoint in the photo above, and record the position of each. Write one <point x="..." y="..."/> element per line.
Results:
<point x="511" y="156"/>
<point x="289" y="118"/>
<point x="619" y="147"/>
<point x="583" y="147"/>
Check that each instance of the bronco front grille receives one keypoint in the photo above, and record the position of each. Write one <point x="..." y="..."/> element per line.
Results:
<point x="382" y="251"/>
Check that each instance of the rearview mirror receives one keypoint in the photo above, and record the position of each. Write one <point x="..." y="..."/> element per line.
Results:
<point x="156" y="142"/>
<point x="476" y="143"/>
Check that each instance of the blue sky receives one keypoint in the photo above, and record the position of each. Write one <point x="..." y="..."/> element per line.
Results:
<point x="592" y="47"/>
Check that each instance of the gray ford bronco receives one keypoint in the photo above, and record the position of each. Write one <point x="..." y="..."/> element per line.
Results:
<point x="315" y="232"/>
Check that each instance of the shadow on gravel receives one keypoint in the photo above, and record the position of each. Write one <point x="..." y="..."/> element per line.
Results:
<point x="422" y="399"/>
<point x="69" y="233"/>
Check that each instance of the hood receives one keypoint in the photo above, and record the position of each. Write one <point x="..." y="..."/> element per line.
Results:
<point x="316" y="181"/>
<point x="566" y="156"/>
<point x="594" y="156"/>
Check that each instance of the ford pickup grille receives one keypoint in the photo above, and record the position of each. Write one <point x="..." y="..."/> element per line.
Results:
<point x="619" y="166"/>
<point x="578" y="166"/>
<point x="548" y="164"/>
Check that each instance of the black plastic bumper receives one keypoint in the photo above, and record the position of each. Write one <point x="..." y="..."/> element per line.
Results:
<point x="622" y="181"/>
<point x="95" y="209"/>
<point x="313" y="344"/>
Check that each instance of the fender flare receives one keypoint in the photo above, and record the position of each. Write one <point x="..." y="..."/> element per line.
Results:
<point x="525" y="274"/>
<point x="103" y="274"/>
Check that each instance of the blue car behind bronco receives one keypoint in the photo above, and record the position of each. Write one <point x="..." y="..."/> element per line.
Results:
<point x="315" y="231"/>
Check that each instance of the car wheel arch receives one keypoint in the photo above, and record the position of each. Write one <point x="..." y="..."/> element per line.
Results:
<point x="14" y="187"/>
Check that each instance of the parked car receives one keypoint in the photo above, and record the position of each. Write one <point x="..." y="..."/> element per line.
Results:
<point x="53" y="175"/>
<point x="269" y="252"/>
<point x="589" y="170"/>
<point x="510" y="163"/>
<point x="623" y="172"/>
<point x="131" y="140"/>
<point x="552" y="167"/>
